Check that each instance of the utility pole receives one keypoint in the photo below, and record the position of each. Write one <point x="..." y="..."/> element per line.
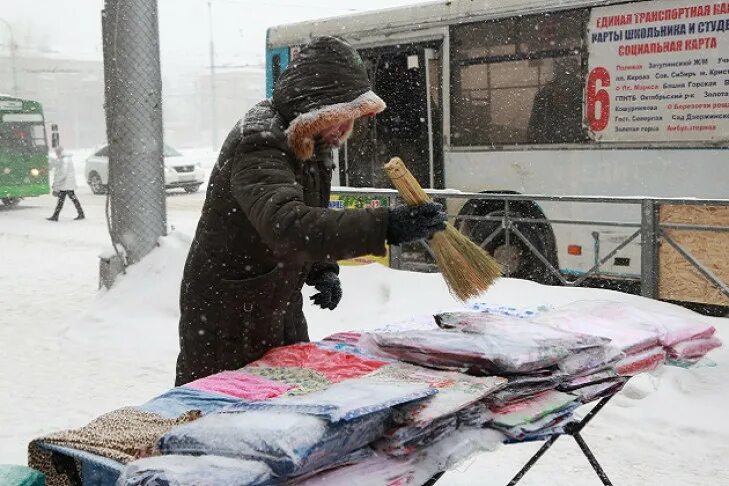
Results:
<point x="13" y="50"/>
<point x="213" y="101"/>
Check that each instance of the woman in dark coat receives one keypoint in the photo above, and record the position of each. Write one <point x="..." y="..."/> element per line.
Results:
<point x="266" y="229"/>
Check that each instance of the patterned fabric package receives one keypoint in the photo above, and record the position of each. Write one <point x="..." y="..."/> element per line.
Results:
<point x="122" y="435"/>
<point x="335" y="365"/>
<point x="239" y="384"/>
<point x="302" y="380"/>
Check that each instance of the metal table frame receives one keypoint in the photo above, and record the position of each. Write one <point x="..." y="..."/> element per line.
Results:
<point x="573" y="429"/>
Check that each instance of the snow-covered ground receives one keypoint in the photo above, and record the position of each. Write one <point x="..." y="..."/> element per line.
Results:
<point x="69" y="352"/>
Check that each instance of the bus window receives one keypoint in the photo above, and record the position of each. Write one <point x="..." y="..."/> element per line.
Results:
<point x="38" y="133"/>
<point x="518" y="80"/>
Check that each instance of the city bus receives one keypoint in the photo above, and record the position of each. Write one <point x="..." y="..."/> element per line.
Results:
<point x="23" y="150"/>
<point x="577" y="97"/>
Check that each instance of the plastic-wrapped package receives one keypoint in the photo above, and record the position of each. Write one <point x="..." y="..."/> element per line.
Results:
<point x="587" y="351"/>
<point x="424" y="349"/>
<point x="693" y="348"/>
<point x="200" y="471"/>
<point x="455" y="390"/>
<point x="345" y="401"/>
<point x="416" y="468"/>
<point x="408" y="439"/>
<point x="490" y="344"/>
<point x="240" y="385"/>
<point x="335" y="365"/>
<point x="595" y="318"/>
<point x="532" y="410"/>
<point x="672" y="328"/>
<point x="575" y="382"/>
<point x="179" y="400"/>
<point x="289" y="443"/>
<point x="546" y="423"/>
<point x="589" y="393"/>
<point x="630" y="327"/>
<point x="379" y="470"/>
<point x="347" y="337"/>
<point x="518" y="329"/>
<point x="502" y="310"/>
<point x="591" y="360"/>
<point x="642" y="362"/>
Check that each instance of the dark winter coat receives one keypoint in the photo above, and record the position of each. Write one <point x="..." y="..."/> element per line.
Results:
<point x="265" y="226"/>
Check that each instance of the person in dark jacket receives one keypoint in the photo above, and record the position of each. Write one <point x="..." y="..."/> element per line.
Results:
<point x="265" y="228"/>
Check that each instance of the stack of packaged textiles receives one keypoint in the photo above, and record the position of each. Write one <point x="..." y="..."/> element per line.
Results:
<point x="377" y="407"/>
<point x="298" y="410"/>
<point x="298" y="435"/>
<point x="646" y="337"/>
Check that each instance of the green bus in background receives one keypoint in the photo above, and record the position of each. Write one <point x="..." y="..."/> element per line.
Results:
<point x="23" y="150"/>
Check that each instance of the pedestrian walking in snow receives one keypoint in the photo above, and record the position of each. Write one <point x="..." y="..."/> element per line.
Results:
<point x="266" y="229"/>
<point x="64" y="184"/>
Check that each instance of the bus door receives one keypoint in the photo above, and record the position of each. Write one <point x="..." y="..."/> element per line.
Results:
<point x="408" y="78"/>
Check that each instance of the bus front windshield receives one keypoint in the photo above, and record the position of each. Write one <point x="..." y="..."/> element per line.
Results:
<point x="23" y="137"/>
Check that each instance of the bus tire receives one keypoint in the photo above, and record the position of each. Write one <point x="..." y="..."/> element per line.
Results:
<point x="523" y="263"/>
<point x="96" y="184"/>
<point x="11" y="202"/>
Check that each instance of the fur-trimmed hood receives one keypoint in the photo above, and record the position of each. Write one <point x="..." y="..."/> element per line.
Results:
<point x="325" y="85"/>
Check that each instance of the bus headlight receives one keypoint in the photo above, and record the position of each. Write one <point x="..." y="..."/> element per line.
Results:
<point x="34" y="172"/>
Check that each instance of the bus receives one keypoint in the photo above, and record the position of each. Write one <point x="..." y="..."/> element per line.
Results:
<point x="23" y="150"/>
<point x="577" y="97"/>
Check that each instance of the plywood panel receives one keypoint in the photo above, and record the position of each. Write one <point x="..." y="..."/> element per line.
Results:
<point x="678" y="279"/>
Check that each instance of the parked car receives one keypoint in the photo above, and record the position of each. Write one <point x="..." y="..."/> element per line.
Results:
<point x="180" y="171"/>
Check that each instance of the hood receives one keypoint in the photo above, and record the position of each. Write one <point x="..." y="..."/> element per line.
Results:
<point x="325" y="85"/>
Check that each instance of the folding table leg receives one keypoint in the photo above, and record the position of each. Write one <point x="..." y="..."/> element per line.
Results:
<point x="434" y="479"/>
<point x="533" y="460"/>
<point x="593" y="461"/>
<point x="572" y="429"/>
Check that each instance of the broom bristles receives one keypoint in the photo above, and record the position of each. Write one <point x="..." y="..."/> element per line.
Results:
<point x="467" y="269"/>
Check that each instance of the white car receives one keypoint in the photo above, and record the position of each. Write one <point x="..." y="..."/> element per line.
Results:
<point x="179" y="171"/>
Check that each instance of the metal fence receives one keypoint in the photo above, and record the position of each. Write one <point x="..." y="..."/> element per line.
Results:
<point x="647" y="230"/>
<point x="133" y="104"/>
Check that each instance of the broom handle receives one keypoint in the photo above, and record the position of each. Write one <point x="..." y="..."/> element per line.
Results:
<point x="408" y="187"/>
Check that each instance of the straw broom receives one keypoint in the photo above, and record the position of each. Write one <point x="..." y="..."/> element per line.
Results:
<point x="467" y="269"/>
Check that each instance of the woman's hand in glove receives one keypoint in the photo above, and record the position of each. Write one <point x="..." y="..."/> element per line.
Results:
<point x="412" y="223"/>
<point x="330" y="290"/>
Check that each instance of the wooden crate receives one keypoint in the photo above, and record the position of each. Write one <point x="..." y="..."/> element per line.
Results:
<point x="678" y="279"/>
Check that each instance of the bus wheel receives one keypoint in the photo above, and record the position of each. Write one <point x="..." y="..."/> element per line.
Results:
<point x="521" y="261"/>
<point x="11" y="202"/>
<point x="95" y="183"/>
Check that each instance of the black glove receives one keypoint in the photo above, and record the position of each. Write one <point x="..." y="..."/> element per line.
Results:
<point x="412" y="223"/>
<point x="329" y="287"/>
